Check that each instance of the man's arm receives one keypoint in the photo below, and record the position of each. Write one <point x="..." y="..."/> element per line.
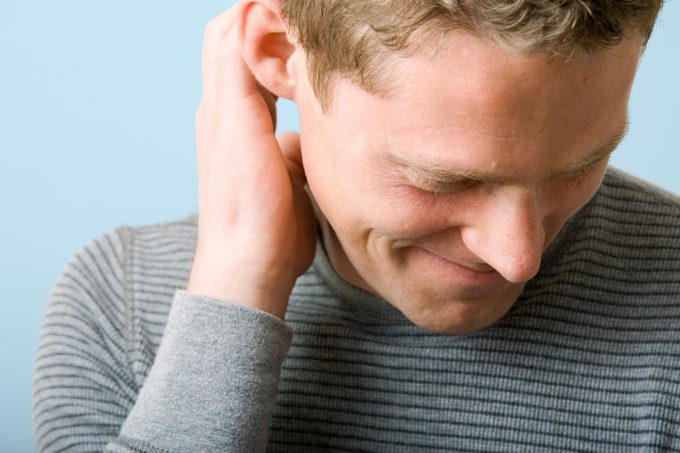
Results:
<point x="256" y="224"/>
<point x="83" y="387"/>
<point x="211" y="388"/>
<point x="213" y="383"/>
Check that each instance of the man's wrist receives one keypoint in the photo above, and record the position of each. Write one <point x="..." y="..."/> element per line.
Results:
<point x="260" y="289"/>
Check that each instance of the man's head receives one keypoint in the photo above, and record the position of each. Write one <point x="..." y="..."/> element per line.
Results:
<point x="355" y="38"/>
<point x="443" y="173"/>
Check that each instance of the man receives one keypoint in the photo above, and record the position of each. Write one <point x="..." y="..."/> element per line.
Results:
<point x="479" y="281"/>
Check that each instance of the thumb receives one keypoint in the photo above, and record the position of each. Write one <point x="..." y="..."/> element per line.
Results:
<point x="289" y="142"/>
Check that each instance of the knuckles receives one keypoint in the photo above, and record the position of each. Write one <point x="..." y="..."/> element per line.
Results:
<point x="220" y="25"/>
<point x="209" y="31"/>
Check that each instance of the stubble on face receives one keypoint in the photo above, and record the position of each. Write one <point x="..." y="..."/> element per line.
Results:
<point x="472" y="107"/>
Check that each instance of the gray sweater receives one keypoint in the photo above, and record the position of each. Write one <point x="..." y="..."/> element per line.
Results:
<point x="588" y="359"/>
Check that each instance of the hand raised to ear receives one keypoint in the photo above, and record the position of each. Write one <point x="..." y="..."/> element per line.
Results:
<point x="256" y="226"/>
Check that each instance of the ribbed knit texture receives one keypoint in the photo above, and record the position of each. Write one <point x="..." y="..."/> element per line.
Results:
<point x="588" y="359"/>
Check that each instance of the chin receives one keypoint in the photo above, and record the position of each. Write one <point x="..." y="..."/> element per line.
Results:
<point x="451" y="325"/>
<point x="455" y="316"/>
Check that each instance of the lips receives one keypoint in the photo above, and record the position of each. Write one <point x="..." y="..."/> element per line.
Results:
<point x="476" y="267"/>
<point x="459" y="276"/>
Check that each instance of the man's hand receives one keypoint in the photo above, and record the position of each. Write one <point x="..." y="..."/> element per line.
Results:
<point x="256" y="227"/>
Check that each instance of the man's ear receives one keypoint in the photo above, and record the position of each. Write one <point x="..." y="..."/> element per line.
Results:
<point x="266" y="47"/>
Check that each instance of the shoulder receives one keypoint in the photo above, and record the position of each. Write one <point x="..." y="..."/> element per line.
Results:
<point x="158" y="259"/>
<point x="635" y="213"/>
<point x="148" y="262"/>
<point x="634" y="192"/>
<point x="101" y="328"/>
<point x="121" y="285"/>
<point x="629" y="232"/>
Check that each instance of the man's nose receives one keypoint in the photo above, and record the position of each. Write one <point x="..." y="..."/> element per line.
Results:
<point x="510" y="236"/>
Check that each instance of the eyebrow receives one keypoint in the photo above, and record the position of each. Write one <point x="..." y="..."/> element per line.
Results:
<point x="447" y="175"/>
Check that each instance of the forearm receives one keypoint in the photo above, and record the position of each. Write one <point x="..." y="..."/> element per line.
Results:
<point x="213" y="384"/>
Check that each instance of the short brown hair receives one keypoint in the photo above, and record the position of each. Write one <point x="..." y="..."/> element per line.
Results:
<point x="350" y="38"/>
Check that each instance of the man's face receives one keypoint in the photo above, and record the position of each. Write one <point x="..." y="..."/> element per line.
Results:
<point x="442" y="195"/>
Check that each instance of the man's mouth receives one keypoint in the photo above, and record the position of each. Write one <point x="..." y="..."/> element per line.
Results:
<point x="462" y="272"/>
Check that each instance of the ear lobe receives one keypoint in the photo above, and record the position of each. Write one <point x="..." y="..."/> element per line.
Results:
<point x="266" y="47"/>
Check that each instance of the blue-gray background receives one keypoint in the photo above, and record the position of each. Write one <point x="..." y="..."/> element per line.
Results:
<point x="97" y="101"/>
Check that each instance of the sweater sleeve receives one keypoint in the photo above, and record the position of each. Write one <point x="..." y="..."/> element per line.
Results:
<point x="212" y="386"/>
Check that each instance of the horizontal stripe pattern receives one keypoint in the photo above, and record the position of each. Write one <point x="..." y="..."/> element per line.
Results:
<point x="588" y="359"/>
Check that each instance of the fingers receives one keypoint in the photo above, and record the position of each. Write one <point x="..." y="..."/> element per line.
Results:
<point x="289" y="142"/>
<point x="229" y="85"/>
<point x="270" y="100"/>
<point x="215" y="32"/>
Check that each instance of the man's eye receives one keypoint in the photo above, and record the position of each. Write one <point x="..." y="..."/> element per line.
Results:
<point x="582" y="172"/>
<point x="438" y="187"/>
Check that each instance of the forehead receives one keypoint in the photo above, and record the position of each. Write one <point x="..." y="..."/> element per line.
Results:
<point x="471" y="78"/>
<point x="473" y="95"/>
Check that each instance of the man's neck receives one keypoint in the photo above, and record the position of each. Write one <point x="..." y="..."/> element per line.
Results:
<point x="335" y="252"/>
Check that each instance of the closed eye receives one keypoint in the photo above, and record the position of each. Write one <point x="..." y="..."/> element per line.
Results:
<point x="576" y="174"/>
<point x="438" y="187"/>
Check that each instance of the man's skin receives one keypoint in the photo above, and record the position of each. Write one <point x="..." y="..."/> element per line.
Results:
<point x="389" y="173"/>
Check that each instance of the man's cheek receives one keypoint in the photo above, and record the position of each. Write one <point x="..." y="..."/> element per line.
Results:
<point x="406" y="220"/>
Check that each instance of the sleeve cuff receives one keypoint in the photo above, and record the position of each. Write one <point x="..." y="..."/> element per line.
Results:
<point x="213" y="384"/>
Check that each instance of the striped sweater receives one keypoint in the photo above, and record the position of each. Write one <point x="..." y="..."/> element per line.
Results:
<point x="588" y="359"/>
